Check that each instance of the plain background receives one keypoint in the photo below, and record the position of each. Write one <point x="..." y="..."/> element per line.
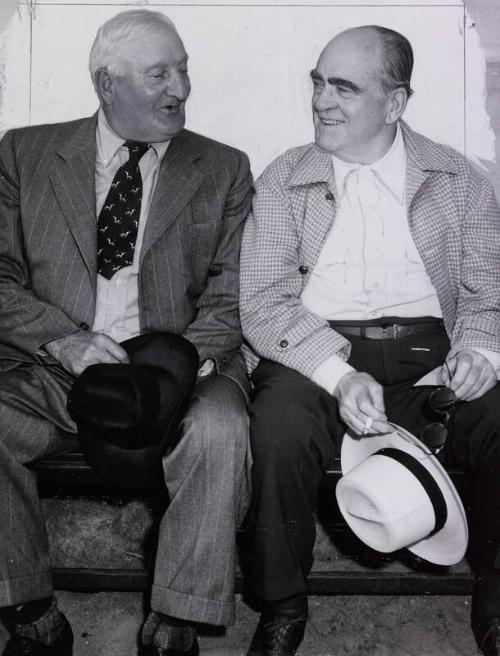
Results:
<point x="250" y="63"/>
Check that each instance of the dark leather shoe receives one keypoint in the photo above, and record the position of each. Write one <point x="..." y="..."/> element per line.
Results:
<point x="149" y="650"/>
<point x="21" y="646"/>
<point x="490" y="643"/>
<point x="279" y="632"/>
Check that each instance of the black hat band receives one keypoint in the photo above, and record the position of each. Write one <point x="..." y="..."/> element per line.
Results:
<point x="427" y="481"/>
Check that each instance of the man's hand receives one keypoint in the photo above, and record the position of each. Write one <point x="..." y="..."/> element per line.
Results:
<point x="360" y="399"/>
<point x="79" y="350"/>
<point x="472" y="375"/>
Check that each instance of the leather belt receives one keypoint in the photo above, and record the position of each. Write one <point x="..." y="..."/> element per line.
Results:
<point x="391" y="331"/>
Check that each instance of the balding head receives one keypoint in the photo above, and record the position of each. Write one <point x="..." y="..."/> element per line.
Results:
<point x="393" y="51"/>
<point x="357" y="100"/>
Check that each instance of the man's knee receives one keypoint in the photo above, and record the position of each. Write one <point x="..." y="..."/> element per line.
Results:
<point x="218" y="416"/>
<point x="286" y="420"/>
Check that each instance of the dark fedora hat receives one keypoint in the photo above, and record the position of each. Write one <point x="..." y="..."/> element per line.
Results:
<point x="128" y="415"/>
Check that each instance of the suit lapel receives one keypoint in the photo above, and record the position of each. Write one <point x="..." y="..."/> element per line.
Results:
<point x="73" y="181"/>
<point x="179" y="178"/>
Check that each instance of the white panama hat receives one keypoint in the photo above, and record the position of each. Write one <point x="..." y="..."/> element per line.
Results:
<point x="395" y="494"/>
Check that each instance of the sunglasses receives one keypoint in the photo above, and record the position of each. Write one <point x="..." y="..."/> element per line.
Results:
<point x="434" y="435"/>
<point x="440" y="401"/>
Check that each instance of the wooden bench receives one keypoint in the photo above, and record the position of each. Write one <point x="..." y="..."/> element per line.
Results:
<point x="69" y="475"/>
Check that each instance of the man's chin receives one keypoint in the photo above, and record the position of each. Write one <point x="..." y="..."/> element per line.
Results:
<point x="165" y="131"/>
<point x="326" y="144"/>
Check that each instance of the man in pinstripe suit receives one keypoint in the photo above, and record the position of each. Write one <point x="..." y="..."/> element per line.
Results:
<point x="59" y="316"/>
<point x="372" y="258"/>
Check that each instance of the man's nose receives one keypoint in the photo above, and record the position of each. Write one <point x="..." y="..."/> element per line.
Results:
<point x="178" y="85"/>
<point x="325" y="98"/>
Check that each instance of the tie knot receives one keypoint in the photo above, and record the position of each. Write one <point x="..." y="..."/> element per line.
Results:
<point x="136" y="149"/>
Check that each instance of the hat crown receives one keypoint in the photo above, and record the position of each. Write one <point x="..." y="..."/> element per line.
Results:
<point x="404" y="500"/>
<point x="387" y="517"/>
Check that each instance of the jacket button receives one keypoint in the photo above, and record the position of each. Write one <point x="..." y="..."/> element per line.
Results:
<point x="303" y="269"/>
<point x="284" y="343"/>
<point x="329" y="196"/>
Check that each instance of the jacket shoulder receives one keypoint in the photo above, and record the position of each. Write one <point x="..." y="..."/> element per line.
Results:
<point x="278" y="172"/>
<point x="29" y="145"/>
<point x="438" y="156"/>
<point x="214" y="150"/>
<point x="47" y="131"/>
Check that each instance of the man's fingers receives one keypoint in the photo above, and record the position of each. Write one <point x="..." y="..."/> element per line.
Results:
<point x="461" y="373"/>
<point x="362" y="426"/>
<point x="483" y="385"/>
<point x="352" y="422"/>
<point x="366" y="410"/>
<point x="472" y="375"/>
<point x="447" y="370"/>
<point x="377" y="398"/>
<point x="361" y="403"/>
<point x="107" y="345"/>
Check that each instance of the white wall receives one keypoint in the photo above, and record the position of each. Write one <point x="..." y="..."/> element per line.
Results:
<point x="249" y="66"/>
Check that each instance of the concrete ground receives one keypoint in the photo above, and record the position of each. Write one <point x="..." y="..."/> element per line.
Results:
<point x="107" y="624"/>
<point x="97" y="533"/>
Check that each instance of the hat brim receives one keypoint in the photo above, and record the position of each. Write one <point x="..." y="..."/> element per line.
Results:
<point x="447" y="546"/>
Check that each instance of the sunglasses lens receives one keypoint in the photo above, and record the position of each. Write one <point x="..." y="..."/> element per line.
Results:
<point x="434" y="436"/>
<point x="441" y="399"/>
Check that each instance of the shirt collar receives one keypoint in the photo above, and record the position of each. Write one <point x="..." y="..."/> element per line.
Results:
<point x="109" y="143"/>
<point x="390" y="169"/>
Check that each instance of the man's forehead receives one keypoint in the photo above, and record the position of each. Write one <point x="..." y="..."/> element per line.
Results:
<point x="354" y="53"/>
<point x="163" y="45"/>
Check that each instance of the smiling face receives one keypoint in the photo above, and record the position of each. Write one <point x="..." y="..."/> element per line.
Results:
<point x="351" y="110"/>
<point x="146" y="98"/>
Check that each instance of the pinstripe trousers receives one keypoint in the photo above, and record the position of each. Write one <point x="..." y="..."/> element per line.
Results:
<point x="207" y="476"/>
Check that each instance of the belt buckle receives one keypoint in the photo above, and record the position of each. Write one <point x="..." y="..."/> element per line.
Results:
<point x="395" y="330"/>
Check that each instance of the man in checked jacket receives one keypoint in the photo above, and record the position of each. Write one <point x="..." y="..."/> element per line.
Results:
<point x="372" y="257"/>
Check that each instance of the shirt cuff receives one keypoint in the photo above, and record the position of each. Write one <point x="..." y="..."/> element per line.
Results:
<point x="328" y="374"/>
<point x="493" y="357"/>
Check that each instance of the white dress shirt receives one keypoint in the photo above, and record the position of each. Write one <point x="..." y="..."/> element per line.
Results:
<point x="369" y="266"/>
<point x="117" y="300"/>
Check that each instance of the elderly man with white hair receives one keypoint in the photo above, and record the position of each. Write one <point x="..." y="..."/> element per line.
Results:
<point x="68" y="302"/>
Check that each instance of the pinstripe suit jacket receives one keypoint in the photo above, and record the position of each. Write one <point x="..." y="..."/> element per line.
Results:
<point x="188" y="277"/>
<point x="455" y="222"/>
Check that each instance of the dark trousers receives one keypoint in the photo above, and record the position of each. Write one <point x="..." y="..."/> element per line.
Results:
<point x="296" y="433"/>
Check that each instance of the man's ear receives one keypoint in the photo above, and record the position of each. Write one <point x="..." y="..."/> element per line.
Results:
<point x="103" y="82"/>
<point x="397" y="105"/>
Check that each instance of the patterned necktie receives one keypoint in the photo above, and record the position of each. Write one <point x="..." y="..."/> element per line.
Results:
<point x="119" y="218"/>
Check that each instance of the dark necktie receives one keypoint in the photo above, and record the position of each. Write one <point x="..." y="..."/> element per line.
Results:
<point x="119" y="218"/>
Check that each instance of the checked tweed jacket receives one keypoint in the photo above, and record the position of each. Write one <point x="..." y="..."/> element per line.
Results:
<point x="454" y="219"/>
<point x="188" y="277"/>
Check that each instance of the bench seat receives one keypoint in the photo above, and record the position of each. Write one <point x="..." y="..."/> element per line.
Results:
<point x="97" y="530"/>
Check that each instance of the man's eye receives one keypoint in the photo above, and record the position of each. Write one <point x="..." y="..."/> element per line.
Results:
<point x="344" y="91"/>
<point x="317" y="83"/>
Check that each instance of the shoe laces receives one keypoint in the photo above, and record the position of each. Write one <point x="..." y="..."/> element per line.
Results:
<point x="280" y="630"/>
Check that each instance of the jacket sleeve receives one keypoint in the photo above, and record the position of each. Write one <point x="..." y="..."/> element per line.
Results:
<point x="275" y="323"/>
<point x="26" y="321"/>
<point x="216" y="329"/>
<point x="477" y="323"/>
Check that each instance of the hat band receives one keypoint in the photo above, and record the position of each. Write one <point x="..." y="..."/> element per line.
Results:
<point x="427" y="481"/>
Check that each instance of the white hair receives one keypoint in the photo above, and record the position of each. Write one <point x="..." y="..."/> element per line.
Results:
<point x="115" y="33"/>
